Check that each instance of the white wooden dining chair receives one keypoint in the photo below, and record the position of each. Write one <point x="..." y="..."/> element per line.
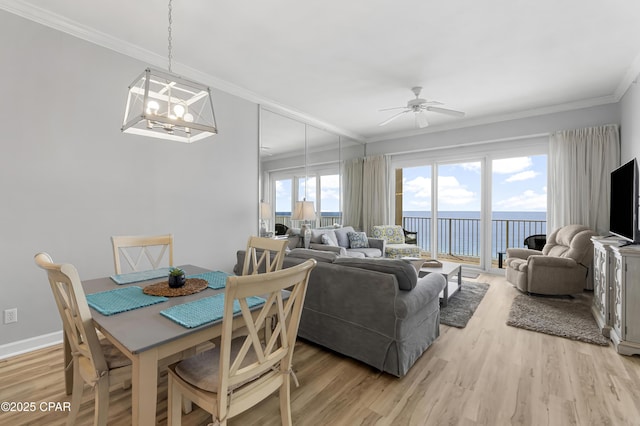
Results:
<point x="142" y="252"/>
<point x="244" y="370"/>
<point x="264" y="255"/>
<point x="95" y="362"/>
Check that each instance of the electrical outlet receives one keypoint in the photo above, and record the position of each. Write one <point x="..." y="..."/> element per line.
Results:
<point x="10" y="315"/>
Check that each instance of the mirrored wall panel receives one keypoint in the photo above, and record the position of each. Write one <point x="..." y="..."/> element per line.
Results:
<point x="300" y="166"/>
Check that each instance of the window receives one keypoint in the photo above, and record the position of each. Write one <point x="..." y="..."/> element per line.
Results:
<point x="323" y="189"/>
<point x="472" y="209"/>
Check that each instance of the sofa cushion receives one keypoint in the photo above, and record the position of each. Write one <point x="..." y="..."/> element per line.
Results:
<point x="364" y="252"/>
<point x="397" y="251"/>
<point x="342" y="235"/>
<point x="405" y="273"/>
<point x="317" y="234"/>
<point x="319" y="255"/>
<point x="393" y="234"/>
<point x="329" y="240"/>
<point x="358" y="240"/>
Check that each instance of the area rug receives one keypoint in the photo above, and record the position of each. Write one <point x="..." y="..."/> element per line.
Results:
<point x="564" y="317"/>
<point x="463" y="304"/>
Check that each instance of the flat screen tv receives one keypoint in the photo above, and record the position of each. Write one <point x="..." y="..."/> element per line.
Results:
<point x="623" y="212"/>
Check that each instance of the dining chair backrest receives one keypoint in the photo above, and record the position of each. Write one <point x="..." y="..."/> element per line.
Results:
<point x="264" y="255"/>
<point x="274" y="359"/>
<point x="136" y="249"/>
<point x="74" y="312"/>
<point x="243" y="370"/>
<point x="90" y="365"/>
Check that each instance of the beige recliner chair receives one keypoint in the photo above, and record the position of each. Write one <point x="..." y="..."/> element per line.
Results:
<point x="562" y="267"/>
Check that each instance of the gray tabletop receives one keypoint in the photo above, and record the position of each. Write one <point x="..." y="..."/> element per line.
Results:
<point x="141" y="329"/>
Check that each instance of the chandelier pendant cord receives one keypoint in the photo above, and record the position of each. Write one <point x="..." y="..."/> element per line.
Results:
<point x="169" y="39"/>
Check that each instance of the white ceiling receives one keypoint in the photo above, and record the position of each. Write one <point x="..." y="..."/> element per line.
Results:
<point x="338" y="62"/>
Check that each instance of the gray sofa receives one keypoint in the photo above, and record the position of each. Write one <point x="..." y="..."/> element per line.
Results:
<point x="374" y="310"/>
<point x="341" y="245"/>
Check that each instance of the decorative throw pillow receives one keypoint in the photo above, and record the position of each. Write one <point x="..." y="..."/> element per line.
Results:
<point x="327" y="240"/>
<point x="358" y="240"/>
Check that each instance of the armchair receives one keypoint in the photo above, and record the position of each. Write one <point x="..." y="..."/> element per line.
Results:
<point x="562" y="267"/>
<point x="396" y="245"/>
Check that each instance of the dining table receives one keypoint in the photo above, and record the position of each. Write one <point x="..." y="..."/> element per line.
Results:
<point x="147" y="338"/>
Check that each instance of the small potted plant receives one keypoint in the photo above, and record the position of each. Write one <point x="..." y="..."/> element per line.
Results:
<point x="176" y="278"/>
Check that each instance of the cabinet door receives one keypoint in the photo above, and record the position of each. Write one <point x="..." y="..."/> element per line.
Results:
<point x="632" y="300"/>
<point x="600" y="282"/>
<point x="618" y="306"/>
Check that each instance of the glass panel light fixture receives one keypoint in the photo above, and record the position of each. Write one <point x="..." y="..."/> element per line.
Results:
<point x="164" y="105"/>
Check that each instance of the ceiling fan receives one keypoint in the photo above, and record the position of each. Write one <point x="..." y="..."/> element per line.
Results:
<point x="419" y="107"/>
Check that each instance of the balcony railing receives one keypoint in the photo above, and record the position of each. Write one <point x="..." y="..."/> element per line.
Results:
<point x="461" y="237"/>
<point x="456" y="237"/>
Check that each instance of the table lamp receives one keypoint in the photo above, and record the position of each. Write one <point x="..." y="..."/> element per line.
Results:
<point x="304" y="211"/>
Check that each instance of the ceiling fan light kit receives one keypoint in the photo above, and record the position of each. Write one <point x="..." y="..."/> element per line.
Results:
<point x="419" y="107"/>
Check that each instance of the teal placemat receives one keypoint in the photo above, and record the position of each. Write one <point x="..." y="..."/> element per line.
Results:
<point x="134" y="277"/>
<point x="216" y="279"/>
<point x="121" y="300"/>
<point x="209" y="309"/>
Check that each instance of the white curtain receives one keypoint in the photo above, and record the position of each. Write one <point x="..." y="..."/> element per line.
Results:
<point x="352" y="200"/>
<point x="580" y="163"/>
<point x="375" y="193"/>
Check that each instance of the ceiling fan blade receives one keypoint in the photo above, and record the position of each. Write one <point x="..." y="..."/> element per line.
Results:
<point x="445" y="111"/>
<point x="389" y="109"/>
<point x="421" y="119"/>
<point x="393" y="117"/>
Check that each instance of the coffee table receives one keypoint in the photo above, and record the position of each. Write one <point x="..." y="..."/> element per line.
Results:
<point x="447" y="269"/>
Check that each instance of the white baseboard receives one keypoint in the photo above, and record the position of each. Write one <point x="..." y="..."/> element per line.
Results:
<point x="31" y="344"/>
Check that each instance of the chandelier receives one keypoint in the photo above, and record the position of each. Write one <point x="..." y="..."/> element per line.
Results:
<point x="161" y="104"/>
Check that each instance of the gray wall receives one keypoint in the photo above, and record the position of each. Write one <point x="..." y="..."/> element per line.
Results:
<point x="630" y="124"/>
<point x="69" y="179"/>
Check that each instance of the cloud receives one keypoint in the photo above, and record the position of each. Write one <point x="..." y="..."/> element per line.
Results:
<point x="419" y="187"/>
<point x="511" y="165"/>
<point x="330" y="181"/>
<point x="281" y="189"/>
<point x="474" y="167"/>
<point x="529" y="200"/>
<point x="452" y="193"/>
<point x="526" y="175"/>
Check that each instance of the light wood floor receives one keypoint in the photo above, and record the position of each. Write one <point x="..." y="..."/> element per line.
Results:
<point x="487" y="373"/>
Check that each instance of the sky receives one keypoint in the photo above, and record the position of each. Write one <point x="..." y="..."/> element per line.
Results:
<point x="519" y="184"/>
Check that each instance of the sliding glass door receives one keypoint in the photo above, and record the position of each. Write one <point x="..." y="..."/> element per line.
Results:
<point x="458" y="226"/>
<point x="413" y="195"/>
<point x="471" y="211"/>
<point x="519" y="202"/>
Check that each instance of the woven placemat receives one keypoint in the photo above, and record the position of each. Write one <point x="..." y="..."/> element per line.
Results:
<point x="191" y="286"/>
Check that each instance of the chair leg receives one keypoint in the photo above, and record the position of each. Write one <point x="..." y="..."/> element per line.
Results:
<point x="101" y="402"/>
<point x="285" y="401"/>
<point x="76" y="393"/>
<point x="174" y="401"/>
